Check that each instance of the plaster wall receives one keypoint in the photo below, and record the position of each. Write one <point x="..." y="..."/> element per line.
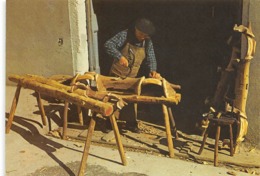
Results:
<point x="253" y="101"/>
<point x="45" y="37"/>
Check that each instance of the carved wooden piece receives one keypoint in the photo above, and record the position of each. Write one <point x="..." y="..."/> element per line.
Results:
<point x="106" y="82"/>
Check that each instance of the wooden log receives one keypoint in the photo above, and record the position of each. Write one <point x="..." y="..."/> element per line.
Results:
<point x="56" y="90"/>
<point x="60" y="91"/>
<point x="13" y="108"/>
<point x="104" y="83"/>
<point x="68" y="78"/>
<point x="149" y="99"/>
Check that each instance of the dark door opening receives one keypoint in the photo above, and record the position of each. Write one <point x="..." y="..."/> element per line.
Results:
<point x="190" y="43"/>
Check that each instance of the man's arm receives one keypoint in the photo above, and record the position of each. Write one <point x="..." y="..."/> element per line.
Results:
<point x="113" y="45"/>
<point x="150" y="56"/>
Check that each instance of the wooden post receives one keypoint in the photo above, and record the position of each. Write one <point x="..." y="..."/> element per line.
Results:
<point x="81" y="122"/>
<point x="170" y="92"/>
<point x="173" y="122"/>
<point x="216" y="146"/>
<point x="87" y="145"/>
<point x="118" y="139"/>
<point x="168" y="130"/>
<point x="205" y="135"/>
<point x="13" y="108"/>
<point x="40" y="105"/>
<point x="231" y="140"/>
<point x="65" y="120"/>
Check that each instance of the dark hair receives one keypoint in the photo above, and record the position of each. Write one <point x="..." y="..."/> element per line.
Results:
<point x="145" y="26"/>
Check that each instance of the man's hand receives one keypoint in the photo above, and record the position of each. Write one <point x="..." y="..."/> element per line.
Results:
<point x="123" y="61"/>
<point x="154" y="74"/>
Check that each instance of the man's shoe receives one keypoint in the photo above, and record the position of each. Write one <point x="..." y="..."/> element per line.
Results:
<point x="106" y="130"/>
<point x="107" y="126"/>
<point x="135" y="129"/>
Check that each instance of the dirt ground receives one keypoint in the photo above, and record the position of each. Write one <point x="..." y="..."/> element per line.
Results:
<point x="151" y="140"/>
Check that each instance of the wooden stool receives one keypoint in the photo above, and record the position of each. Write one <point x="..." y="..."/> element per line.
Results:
<point x="219" y="122"/>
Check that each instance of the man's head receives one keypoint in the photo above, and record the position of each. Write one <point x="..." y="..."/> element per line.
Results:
<point x="143" y="29"/>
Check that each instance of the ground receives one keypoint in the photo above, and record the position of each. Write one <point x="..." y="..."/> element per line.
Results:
<point x="33" y="149"/>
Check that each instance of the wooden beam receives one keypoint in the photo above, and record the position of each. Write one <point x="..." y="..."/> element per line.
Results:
<point x="56" y="90"/>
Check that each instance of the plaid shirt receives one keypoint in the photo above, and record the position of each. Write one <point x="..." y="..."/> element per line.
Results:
<point x="113" y="45"/>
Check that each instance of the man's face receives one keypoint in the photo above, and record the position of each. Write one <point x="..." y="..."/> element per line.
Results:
<point x="140" y="35"/>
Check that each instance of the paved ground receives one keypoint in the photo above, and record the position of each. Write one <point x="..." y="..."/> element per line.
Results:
<point x="32" y="150"/>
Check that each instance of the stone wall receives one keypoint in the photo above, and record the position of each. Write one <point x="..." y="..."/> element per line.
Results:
<point x="253" y="101"/>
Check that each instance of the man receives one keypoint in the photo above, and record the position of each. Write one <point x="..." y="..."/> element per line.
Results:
<point x="131" y="50"/>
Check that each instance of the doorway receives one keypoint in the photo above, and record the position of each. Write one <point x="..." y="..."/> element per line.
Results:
<point x="190" y="43"/>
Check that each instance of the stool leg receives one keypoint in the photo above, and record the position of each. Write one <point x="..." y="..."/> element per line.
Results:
<point x="91" y="128"/>
<point x="65" y="119"/>
<point x="13" y="108"/>
<point x="205" y="136"/>
<point x="231" y="140"/>
<point x="173" y="123"/>
<point x="40" y="105"/>
<point x="80" y="115"/>
<point x="168" y="130"/>
<point x="216" y="146"/>
<point x="118" y="139"/>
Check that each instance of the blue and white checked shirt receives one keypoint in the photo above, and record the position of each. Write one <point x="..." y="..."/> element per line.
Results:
<point x="113" y="45"/>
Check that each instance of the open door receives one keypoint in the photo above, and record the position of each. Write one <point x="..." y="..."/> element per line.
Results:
<point x="92" y="31"/>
